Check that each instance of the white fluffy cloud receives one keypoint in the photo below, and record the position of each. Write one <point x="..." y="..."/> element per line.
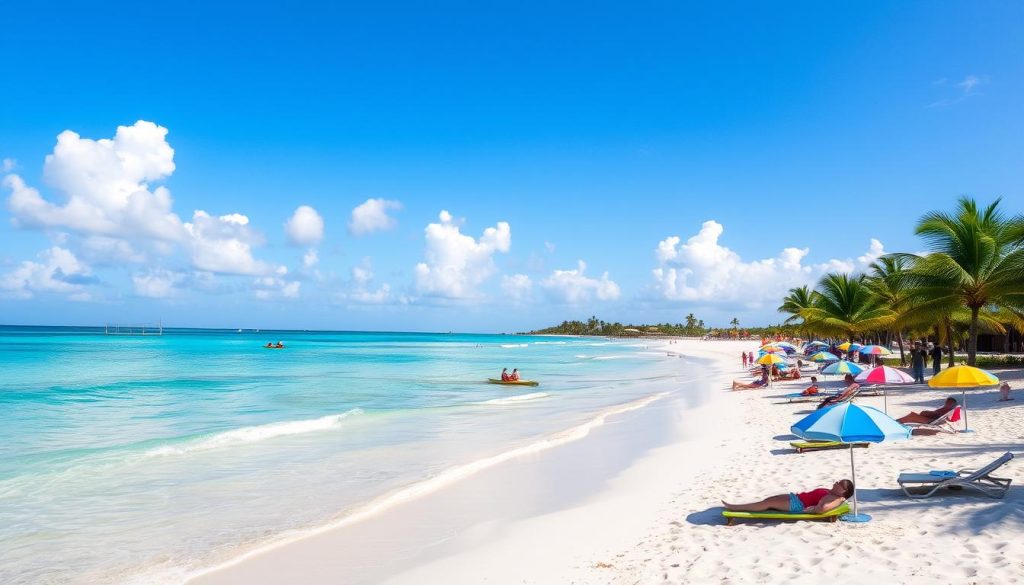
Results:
<point x="110" y="198"/>
<point x="372" y="216"/>
<point x="107" y="185"/>
<point x="224" y="245"/>
<point x="310" y="258"/>
<point x="703" y="270"/>
<point x="456" y="264"/>
<point x="7" y="165"/>
<point x="58" y="271"/>
<point x="573" y="286"/>
<point x="517" y="286"/>
<point x="276" y="286"/>
<point x="157" y="283"/>
<point x="305" y="227"/>
<point x="362" y="290"/>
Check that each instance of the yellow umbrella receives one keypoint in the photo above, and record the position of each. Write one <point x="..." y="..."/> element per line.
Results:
<point x="963" y="377"/>
<point x="767" y="360"/>
<point x="844" y="346"/>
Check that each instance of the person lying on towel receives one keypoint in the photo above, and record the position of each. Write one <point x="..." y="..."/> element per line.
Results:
<point x="759" y="383"/>
<point x="816" y="501"/>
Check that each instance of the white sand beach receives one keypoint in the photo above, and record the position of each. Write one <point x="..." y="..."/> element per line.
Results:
<point x="637" y="500"/>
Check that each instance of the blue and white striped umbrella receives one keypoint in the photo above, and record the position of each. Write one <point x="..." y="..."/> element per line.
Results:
<point x="850" y="423"/>
<point x="842" y="367"/>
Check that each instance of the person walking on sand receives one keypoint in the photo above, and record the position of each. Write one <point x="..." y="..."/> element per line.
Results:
<point x="743" y="355"/>
<point x="936" y="354"/>
<point x="1004" y="392"/>
<point x="750" y="357"/>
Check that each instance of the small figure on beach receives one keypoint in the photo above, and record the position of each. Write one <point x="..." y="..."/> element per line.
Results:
<point x="917" y="358"/>
<point x="928" y="416"/>
<point x="843" y="396"/>
<point x="504" y="375"/>
<point x="759" y="383"/>
<point x="750" y="357"/>
<point x="811" y="390"/>
<point x="1004" y="392"/>
<point x="936" y="354"/>
<point x="816" y="501"/>
<point x="744" y="356"/>
<point x="514" y="376"/>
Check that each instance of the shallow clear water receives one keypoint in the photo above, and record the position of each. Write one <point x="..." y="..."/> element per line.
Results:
<point x="144" y="458"/>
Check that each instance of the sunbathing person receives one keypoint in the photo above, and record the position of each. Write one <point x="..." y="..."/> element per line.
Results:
<point x="791" y="374"/>
<point x="927" y="416"/>
<point x="816" y="501"/>
<point x="842" y="396"/>
<point x="759" y="383"/>
<point x="811" y="390"/>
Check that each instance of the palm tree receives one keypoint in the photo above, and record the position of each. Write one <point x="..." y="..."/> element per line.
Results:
<point x="889" y="283"/>
<point x="798" y="299"/>
<point x="976" y="260"/>
<point x="845" y="306"/>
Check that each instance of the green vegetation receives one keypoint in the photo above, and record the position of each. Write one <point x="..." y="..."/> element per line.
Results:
<point x="970" y="280"/>
<point x="693" y="327"/>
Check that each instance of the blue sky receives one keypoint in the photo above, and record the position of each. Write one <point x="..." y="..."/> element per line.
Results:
<point x="695" y="158"/>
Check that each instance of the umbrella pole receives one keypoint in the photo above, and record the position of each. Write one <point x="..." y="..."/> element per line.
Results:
<point x="855" y="517"/>
<point x="963" y="398"/>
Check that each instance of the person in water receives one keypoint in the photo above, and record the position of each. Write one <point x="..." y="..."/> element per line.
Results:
<point x="514" y="376"/>
<point x="504" y="375"/>
<point x="279" y="345"/>
<point x="269" y="344"/>
<point x="816" y="501"/>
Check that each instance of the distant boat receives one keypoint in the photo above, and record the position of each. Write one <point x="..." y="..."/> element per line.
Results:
<point x="239" y="330"/>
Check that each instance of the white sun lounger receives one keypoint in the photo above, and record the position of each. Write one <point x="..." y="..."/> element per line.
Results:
<point x="981" y="480"/>
<point x="942" y="424"/>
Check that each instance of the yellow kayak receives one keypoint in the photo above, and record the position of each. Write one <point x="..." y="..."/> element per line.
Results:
<point x="513" y="382"/>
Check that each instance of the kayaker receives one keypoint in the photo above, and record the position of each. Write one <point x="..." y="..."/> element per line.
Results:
<point x="504" y="375"/>
<point x="514" y="376"/>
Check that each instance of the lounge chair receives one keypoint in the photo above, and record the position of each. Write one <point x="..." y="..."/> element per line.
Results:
<point x="981" y="480"/>
<point x="943" y="423"/>
<point x="831" y="515"/>
<point x="802" y="446"/>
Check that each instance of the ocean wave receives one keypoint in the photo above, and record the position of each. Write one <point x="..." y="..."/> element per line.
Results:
<point x="255" y="434"/>
<point x="427" y="486"/>
<point x="515" y="399"/>
<point x="550" y="342"/>
<point x="515" y="344"/>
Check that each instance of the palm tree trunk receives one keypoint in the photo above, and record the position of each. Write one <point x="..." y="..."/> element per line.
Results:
<point x="899" y="340"/>
<point x="949" y="341"/>
<point x="972" y="339"/>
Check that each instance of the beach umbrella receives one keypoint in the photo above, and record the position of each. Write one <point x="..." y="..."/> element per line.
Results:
<point x="767" y="360"/>
<point x="845" y="346"/>
<point x="842" y="367"/>
<point x="823" y="356"/>
<point x="854" y="347"/>
<point x="874" y="351"/>
<point x="963" y="377"/>
<point x="850" y="423"/>
<point x="815" y="344"/>
<point x="785" y="345"/>
<point x="772" y="349"/>
<point x="884" y="375"/>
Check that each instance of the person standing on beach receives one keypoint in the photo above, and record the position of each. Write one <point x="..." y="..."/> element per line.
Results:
<point x="917" y="358"/>
<point x="936" y="354"/>
<point x="744" y="356"/>
<point x="750" y="357"/>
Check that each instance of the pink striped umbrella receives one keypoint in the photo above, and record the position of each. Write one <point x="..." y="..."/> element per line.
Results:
<point x="884" y="375"/>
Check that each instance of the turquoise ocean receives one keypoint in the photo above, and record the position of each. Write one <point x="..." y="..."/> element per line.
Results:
<point x="143" y="459"/>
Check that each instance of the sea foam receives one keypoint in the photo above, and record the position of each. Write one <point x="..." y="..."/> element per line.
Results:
<point x="515" y="399"/>
<point x="255" y="434"/>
